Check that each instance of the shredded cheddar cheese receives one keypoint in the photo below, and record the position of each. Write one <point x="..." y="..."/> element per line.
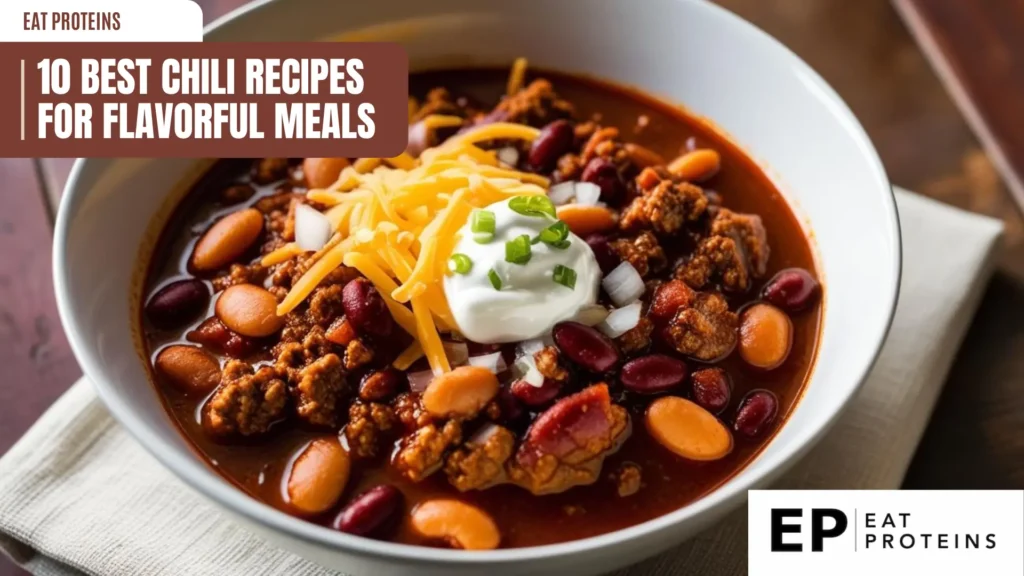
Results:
<point x="396" y="222"/>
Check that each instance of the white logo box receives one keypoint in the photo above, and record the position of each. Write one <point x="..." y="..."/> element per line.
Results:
<point x="930" y="533"/>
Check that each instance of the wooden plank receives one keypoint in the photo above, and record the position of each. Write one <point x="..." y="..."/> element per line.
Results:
<point x="977" y="49"/>
<point x="37" y="362"/>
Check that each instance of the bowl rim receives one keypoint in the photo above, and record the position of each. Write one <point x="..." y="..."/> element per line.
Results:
<point x="198" y="475"/>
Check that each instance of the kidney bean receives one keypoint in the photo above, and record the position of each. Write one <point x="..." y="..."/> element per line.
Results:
<point x="249" y="310"/>
<point x="318" y="476"/>
<point x="653" y="374"/>
<point x="669" y="297"/>
<point x="711" y="389"/>
<point x="606" y="258"/>
<point x="511" y="407"/>
<point x="322" y="172"/>
<point x="371" y="512"/>
<point x="697" y="165"/>
<point x="756" y="413"/>
<point x="606" y="176"/>
<point x="766" y="336"/>
<point x="461" y="392"/>
<point x="457" y="523"/>
<point x="585" y="346"/>
<point x="687" y="429"/>
<point x="227" y="240"/>
<point x="177" y="303"/>
<point x="380" y="385"/>
<point x="213" y="334"/>
<point x="365" y="308"/>
<point x="792" y="289"/>
<point x="554" y="140"/>
<point x="536" y="396"/>
<point x="189" y="369"/>
<point x="237" y="193"/>
<point x="585" y="220"/>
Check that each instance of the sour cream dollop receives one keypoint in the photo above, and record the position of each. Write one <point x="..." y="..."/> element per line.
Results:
<point x="529" y="302"/>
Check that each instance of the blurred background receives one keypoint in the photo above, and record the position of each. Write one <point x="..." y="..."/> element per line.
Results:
<point x="937" y="85"/>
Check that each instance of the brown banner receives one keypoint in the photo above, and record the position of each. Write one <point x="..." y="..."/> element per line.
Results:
<point x="203" y="99"/>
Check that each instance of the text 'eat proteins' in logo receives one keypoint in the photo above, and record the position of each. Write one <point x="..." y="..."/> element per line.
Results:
<point x="885" y="532"/>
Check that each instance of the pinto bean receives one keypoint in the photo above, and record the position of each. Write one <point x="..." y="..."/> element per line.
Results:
<point x="188" y="368"/>
<point x="766" y="336"/>
<point x="643" y="157"/>
<point x="371" y="511"/>
<point x="227" y="240"/>
<point x="457" y="523"/>
<point x="585" y="220"/>
<point x="697" y="165"/>
<point x="687" y="429"/>
<point x="249" y="310"/>
<point x="462" y="392"/>
<point x="322" y="172"/>
<point x="318" y="476"/>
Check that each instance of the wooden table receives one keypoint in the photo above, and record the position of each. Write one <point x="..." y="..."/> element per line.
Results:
<point x="867" y="53"/>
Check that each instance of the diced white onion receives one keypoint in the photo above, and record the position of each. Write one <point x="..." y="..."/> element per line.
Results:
<point x="418" y="381"/>
<point x="562" y="193"/>
<point x="621" y="320"/>
<point x="493" y="362"/>
<point x="418" y="138"/>
<point x="527" y="371"/>
<point x="623" y="284"/>
<point x="457" y="352"/>
<point x="312" y="229"/>
<point x="587" y="193"/>
<point x="529" y="347"/>
<point x="591" y="315"/>
<point x="508" y="155"/>
<point x="484" y="434"/>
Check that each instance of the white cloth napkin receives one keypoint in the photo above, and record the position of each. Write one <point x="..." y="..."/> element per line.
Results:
<point x="78" y="496"/>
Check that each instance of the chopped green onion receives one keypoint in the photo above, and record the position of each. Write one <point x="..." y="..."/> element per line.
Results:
<point x="565" y="276"/>
<point x="460" y="264"/>
<point x="517" y="250"/>
<point x="495" y="279"/>
<point x="483" y="237"/>
<point x="556" y="235"/>
<point x="482" y="222"/>
<point x="538" y="205"/>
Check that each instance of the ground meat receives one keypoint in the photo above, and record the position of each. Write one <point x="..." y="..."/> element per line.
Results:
<point x="368" y="424"/>
<point x="245" y="403"/>
<point x="735" y="252"/>
<point x="357" y="354"/>
<point x="421" y="453"/>
<point x="479" y="463"/>
<point x="549" y="364"/>
<point x="278" y="201"/>
<point x="566" y="445"/>
<point x="536" y="105"/>
<point x="319" y="390"/>
<point x="627" y="479"/>
<point x="569" y="167"/>
<point x="296" y="326"/>
<point x="642" y="251"/>
<point x="240" y="274"/>
<point x="325" y="305"/>
<point x="267" y="170"/>
<point x="705" y="329"/>
<point x="410" y="412"/>
<point x="438" y="101"/>
<point x="665" y="208"/>
<point x="636" y="338"/>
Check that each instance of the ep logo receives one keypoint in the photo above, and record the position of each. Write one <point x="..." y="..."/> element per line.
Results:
<point x="824" y="523"/>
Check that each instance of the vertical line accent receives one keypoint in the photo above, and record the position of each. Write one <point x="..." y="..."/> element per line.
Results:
<point x="854" y="529"/>
<point x="23" y="100"/>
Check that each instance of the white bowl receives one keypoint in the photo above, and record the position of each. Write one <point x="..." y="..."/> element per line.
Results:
<point x="689" y="52"/>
